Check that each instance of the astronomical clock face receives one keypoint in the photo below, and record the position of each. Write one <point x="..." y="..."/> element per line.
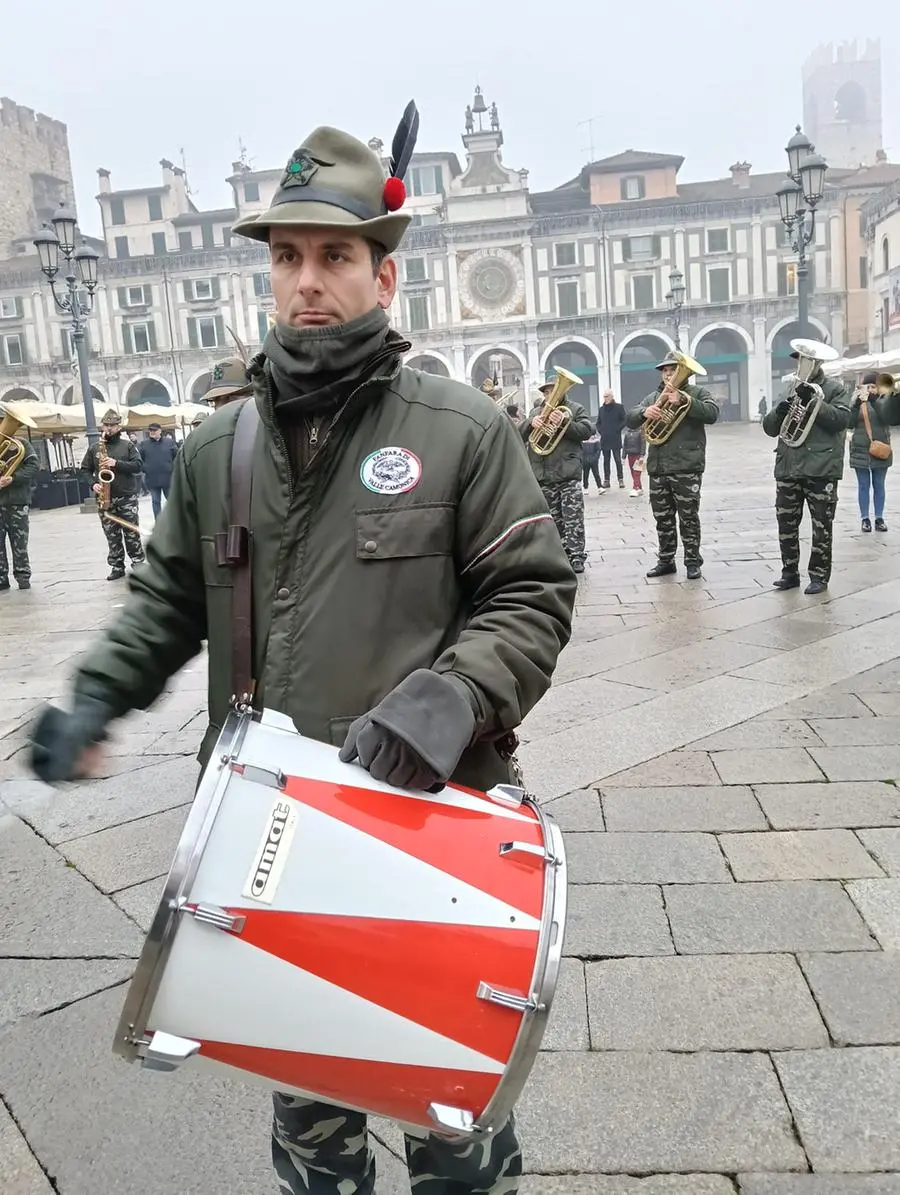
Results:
<point x="491" y="284"/>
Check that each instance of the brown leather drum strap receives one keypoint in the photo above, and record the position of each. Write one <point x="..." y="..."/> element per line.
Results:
<point x="238" y="554"/>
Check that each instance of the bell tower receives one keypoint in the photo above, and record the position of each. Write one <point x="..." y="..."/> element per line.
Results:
<point x="842" y="103"/>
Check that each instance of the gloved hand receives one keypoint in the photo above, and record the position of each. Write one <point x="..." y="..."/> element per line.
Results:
<point x="805" y="390"/>
<point x="415" y="736"/>
<point x="783" y="407"/>
<point x="59" y="739"/>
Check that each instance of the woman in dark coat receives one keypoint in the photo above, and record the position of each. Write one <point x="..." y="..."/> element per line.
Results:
<point x="871" y="471"/>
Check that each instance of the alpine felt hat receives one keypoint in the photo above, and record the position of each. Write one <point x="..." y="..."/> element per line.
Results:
<point x="669" y="359"/>
<point x="227" y="378"/>
<point x="334" y="181"/>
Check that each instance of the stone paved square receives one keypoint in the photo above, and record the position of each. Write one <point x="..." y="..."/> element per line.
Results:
<point x="721" y="758"/>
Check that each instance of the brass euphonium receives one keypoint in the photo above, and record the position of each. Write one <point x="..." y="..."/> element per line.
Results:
<point x="805" y="403"/>
<point x="12" y="452"/>
<point x="546" y="438"/>
<point x="673" y="400"/>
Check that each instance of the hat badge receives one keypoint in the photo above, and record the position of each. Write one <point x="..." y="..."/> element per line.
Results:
<point x="302" y="167"/>
<point x="218" y="373"/>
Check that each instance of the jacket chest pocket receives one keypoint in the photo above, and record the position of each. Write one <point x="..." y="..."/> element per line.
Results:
<point x="215" y="575"/>
<point x="409" y="531"/>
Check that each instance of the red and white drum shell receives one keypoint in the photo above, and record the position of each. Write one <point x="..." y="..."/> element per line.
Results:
<point x="331" y="936"/>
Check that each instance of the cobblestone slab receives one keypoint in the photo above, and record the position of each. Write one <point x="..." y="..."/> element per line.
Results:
<point x="819" y="1184"/>
<point x="708" y="808"/>
<point x="29" y="987"/>
<point x="858" y="763"/>
<point x="609" y="921"/>
<point x="818" y="806"/>
<point x="827" y="703"/>
<point x="647" y="1113"/>
<point x="857" y="732"/>
<point x="759" y="734"/>
<point x="882" y="704"/>
<point x="568" y="1025"/>
<point x="614" y="858"/>
<point x="577" y="811"/>
<point x="765" y="918"/>
<point x="776" y="765"/>
<point x="47" y="910"/>
<point x="140" y="902"/>
<point x="126" y="855"/>
<point x="798" y="855"/>
<point x="846" y="1105"/>
<point x="675" y="767"/>
<point x="885" y="846"/>
<point x="729" y="1002"/>
<point x="858" y="995"/>
<point x="612" y="1184"/>
<point x="879" y="903"/>
<point x="20" y="1173"/>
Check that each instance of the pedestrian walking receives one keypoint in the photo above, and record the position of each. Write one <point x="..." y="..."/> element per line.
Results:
<point x="870" y="445"/>
<point x="410" y="595"/>
<point x="590" y="461"/>
<point x="158" y="458"/>
<point x="610" y="422"/>
<point x="675" y="468"/>
<point x="15" y="500"/>
<point x="634" y="449"/>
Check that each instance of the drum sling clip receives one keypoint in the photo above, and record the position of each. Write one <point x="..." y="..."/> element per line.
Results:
<point x="165" y="1051"/>
<point x="219" y="918"/>
<point x="529" y="848"/>
<point x="508" y="999"/>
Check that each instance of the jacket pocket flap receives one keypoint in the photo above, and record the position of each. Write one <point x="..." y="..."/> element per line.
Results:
<point x="214" y="574"/>
<point x="406" y="531"/>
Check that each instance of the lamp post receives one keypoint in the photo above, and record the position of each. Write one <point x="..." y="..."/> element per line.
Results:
<point x="77" y="302"/>
<point x="675" y="301"/>
<point x="797" y="202"/>
<point x="879" y="311"/>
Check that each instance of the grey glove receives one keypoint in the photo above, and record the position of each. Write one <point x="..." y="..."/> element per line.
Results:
<point x="58" y="739"/>
<point x="415" y="736"/>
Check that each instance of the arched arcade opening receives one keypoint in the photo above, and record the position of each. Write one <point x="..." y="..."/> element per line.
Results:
<point x="638" y="375"/>
<point x="723" y="354"/>
<point x="581" y="361"/>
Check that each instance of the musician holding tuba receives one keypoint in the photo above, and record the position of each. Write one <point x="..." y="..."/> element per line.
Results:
<point x="553" y="435"/>
<point x="16" y="481"/>
<point x="116" y="455"/>
<point x="674" y="419"/>
<point x="810" y="423"/>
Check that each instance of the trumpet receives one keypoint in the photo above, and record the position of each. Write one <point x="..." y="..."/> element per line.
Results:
<point x="546" y="437"/>
<point x="12" y="452"/>
<point x="805" y="397"/>
<point x="675" y="402"/>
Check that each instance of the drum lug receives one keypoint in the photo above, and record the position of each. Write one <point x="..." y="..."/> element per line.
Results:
<point x="507" y="794"/>
<point x="258" y="775"/>
<point x="507" y="999"/>
<point x="165" y="1052"/>
<point x="529" y="848"/>
<point x="452" y="1120"/>
<point x="213" y="915"/>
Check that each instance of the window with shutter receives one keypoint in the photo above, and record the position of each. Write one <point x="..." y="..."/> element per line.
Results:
<point x="262" y="325"/>
<point x="159" y="243"/>
<point x="11" y="308"/>
<point x="185" y="241"/>
<point x="214" y="288"/>
<point x="193" y="336"/>
<point x="188" y="287"/>
<point x="642" y="292"/>
<point x="220" y="329"/>
<point x="151" y="333"/>
<point x="127" y="340"/>
<point x="567" y="299"/>
<point x="262" y="284"/>
<point x="140" y="338"/>
<point x="720" y="285"/>
<point x="154" y="207"/>
<point x="122" y="297"/>
<point x="13" y="350"/>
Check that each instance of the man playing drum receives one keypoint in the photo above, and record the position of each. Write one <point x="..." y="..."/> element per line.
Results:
<point x="410" y="593"/>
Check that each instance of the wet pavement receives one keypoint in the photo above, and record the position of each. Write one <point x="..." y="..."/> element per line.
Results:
<point x="724" y="760"/>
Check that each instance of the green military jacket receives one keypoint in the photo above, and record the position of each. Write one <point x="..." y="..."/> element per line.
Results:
<point x="415" y="538"/>
<point x="565" y="462"/>
<point x="879" y="410"/>
<point x="18" y="493"/>
<point x="685" y="450"/>
<point x="822" y="453"/>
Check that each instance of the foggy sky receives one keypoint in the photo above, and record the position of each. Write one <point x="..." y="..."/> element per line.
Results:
<point x="139" y="82"/>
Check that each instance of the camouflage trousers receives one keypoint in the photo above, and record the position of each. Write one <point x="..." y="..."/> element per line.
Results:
<point x="118" y="538"/>
<point x="566" y="502"/>
<point x="14" y="527"/>
<point x="677" y="498"/>
<point x="820" y="495"/>
<point x="319" y="1149"/>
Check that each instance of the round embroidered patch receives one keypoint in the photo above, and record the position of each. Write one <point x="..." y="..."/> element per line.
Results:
<point x="391" y="471"/>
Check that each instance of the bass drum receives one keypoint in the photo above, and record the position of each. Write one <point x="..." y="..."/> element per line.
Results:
<point x="336" y="938"/>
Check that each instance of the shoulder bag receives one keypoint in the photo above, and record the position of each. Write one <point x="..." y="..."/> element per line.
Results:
<point x="877" y="448"/>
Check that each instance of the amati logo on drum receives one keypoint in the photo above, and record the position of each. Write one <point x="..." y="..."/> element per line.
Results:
<point x="268" y="864"/>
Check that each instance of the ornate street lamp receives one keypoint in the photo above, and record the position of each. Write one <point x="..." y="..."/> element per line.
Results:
<point x="77" y="302"/>
<point x="797" y="202"/>
<point x="675" y="301"/>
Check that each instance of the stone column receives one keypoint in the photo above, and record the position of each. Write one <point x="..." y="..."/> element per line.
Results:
<point x="758" y="374"/>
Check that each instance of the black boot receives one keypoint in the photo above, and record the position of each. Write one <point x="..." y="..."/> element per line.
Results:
<point x="116" y="574"/>
<point x="787" y="581"/>
<point x="663" y="568"/>
<point x="867" y="524"/>
<point x="25" y="583"/>
<point x="4" y="585"/>
<point x="880" y="525"/>
<point x="693" y="571"/>
<point x="578" y="566"/>
<point x="816" y="586"/>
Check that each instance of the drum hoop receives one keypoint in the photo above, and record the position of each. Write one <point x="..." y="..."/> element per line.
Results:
<point x="151" y="965"/>
<point x="544" y="978"/>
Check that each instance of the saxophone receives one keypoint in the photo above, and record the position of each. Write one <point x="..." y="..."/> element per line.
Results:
<point x="104" y="476"/>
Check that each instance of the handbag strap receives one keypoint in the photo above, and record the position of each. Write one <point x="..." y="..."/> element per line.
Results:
<point x="864" y="411"/>
<point x="237" y="554"/>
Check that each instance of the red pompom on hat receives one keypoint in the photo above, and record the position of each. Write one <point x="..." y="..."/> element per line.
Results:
<point x="394" y="194"/>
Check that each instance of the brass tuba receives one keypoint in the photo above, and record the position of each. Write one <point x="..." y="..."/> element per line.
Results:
<point x="11" y="451"/>
<point x="545" y="439"/>
<point x="673" y="399"/>
<point x="798" y="422"/>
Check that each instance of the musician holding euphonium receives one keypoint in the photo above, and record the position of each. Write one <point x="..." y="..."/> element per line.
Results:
<point x="673" y="419"/>
<point x="18" y="470"/>
<point x="810" y="423"/>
